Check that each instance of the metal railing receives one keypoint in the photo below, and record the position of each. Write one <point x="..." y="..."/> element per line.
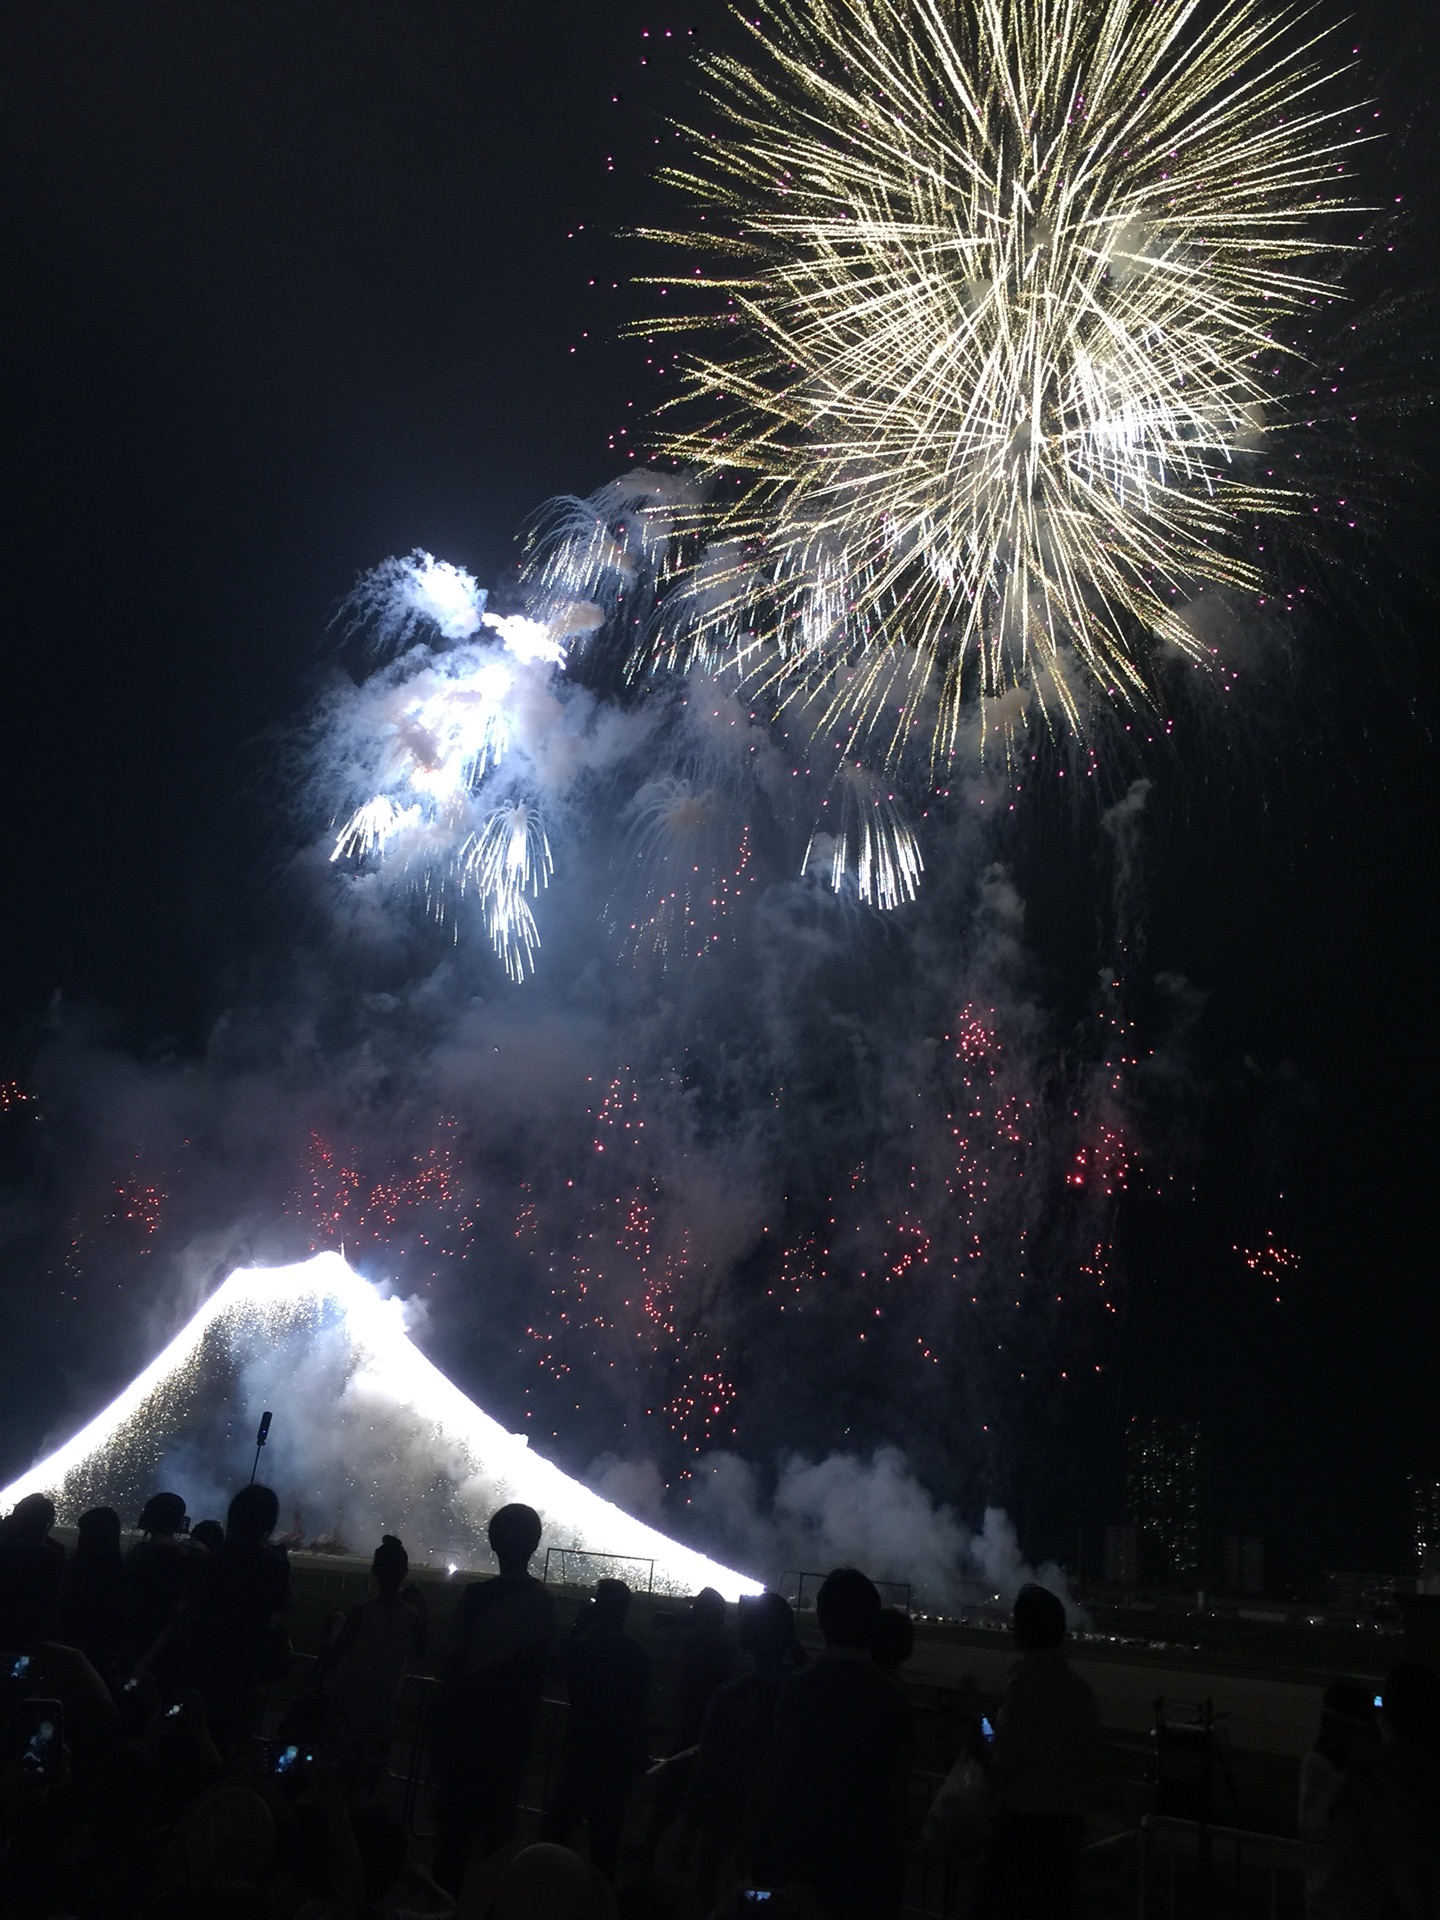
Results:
<point x="1190" y="1870"/>
<point x="592" y="1566"/>
<point x="1180" y="1869"/>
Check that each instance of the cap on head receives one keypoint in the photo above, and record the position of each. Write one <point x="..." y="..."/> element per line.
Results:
<point x="707" y="1610"/>
<point x="163" y="1513"/>
<point x="391" y="1562"/>
<point x="1039" y="1618"/>
<point x="514" y="1534"/>
<point x="847" y="1607"/>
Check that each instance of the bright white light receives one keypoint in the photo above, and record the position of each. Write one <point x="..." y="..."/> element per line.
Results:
<point x="529" y="640"/>
<point x="469" y="1445"/>
<point x="508" y="858"/>
<point x="371" y="827"/>
<point x="445" y="594"/>
<point x="493" y="681"/>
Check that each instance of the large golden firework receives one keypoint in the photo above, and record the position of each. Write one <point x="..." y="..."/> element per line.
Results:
<point x="1003" y="291"/>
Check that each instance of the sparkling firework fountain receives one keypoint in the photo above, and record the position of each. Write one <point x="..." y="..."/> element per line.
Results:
<point x="391" y="1401"/>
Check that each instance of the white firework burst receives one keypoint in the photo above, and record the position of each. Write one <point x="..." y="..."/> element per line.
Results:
<point x="863" y="845"/>
<point x="507" y="860"/>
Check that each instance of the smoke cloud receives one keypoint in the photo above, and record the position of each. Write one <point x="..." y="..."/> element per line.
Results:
<point x="733" y="1168"/>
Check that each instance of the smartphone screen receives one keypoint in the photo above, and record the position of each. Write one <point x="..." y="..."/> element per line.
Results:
<point x="40" y="1736"/>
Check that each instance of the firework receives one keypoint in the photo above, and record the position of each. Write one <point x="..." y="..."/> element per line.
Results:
<point x="403" y="597"/>
<point x="689" y="853"/>
<point x="865" y="845"/>
<point x="506" y="860"/>
<point x="468" y="689"/>
<point x="1001" y="293"/>
<point x="391" y="1378"/>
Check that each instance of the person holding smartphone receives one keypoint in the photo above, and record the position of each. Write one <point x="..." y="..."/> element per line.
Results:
<point x="827" y="1808"/>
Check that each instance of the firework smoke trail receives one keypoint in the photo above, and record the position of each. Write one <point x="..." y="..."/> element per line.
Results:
<point x="999" y="295"/>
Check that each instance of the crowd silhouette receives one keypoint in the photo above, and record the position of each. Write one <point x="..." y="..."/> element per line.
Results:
<point x="167" y="1753"/>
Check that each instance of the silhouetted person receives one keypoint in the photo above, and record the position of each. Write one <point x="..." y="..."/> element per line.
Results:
<point x="158" y="1570"/>
<point x="738" y="1729"/>
<point x="1043" y="1761"/>
<point x="240" y="1599"/>
<point x="89" y="1613"/>
<point x="827" y="1807"/>
<point x="894" y="1640"/>
<point x="31" y="1565"/>
<point x="208" y="1534"/>
<point x="604" y="1749"/>
<point x="706" y="1662"/>
<point x="1338" y="1807"/>
<point x="1407" y="1775"/>
<point x="379" y="1643"/>
<point x="489" y="1696"/>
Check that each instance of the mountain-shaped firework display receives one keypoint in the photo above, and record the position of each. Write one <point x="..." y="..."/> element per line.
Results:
<point x="368" y="1435"/>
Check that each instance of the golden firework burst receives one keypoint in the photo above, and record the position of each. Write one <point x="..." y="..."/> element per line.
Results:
<point x="1000" y="313"/>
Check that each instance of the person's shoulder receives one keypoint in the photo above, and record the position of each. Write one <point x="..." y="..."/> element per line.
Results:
<point x="810" y="1684"/>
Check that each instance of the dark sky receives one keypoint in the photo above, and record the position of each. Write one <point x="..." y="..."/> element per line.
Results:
<point x="290" y="288"/>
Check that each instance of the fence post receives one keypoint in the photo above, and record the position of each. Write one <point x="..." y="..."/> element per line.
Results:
<point x="1142" y="1863"/>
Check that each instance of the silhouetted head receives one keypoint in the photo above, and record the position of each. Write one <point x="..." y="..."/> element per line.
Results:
<point x="1410" y="1704"/>
<point x="612" y="1603"/>
<point x="163" y="1513"/>
<point x="208" y="1534"/>
<point x="32" y="1517"/>
<point x="97" y="1535"/>
<point x="546" y="1882"/>
<point x="847" y="1607"/>
<point x="1348" y="1721"/>
<point x="390" y="1564"/>
<point x="767" y="1630"/>
<point x="514" y="1534"/>
<point x="1348" y="1700"/>
<point x="252" y="1515"/>
<point x="707" y="1611"/>
<point x="1039" y="1618"/>
<point x="894" y="1639"/>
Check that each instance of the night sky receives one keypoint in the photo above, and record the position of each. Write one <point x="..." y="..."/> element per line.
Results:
<point x="289" y="289"/>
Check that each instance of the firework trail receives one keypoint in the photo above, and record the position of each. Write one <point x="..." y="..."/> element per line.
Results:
<point x="865" y="844"/>
<point x="508" y="858"/>
<point x="998" y="307"/>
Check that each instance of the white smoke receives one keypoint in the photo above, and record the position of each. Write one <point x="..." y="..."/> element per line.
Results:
<point x="871" y="1512"/>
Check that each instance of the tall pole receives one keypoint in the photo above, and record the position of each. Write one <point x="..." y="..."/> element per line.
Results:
<point x="262" y="1435"/>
